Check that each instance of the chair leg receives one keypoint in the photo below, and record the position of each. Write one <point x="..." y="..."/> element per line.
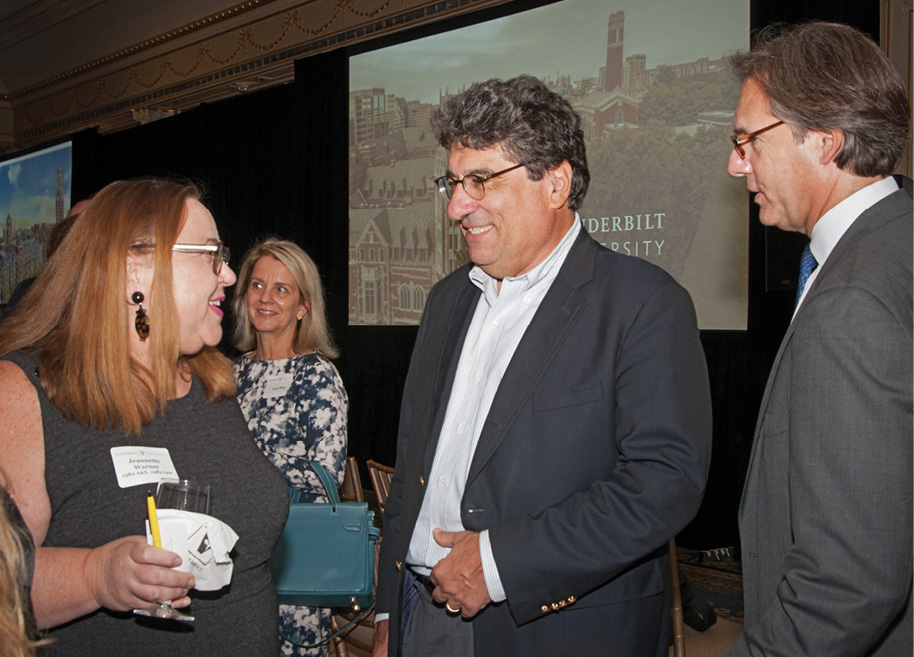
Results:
<point x="676" y="604"/>
<point x="338" y="645"/>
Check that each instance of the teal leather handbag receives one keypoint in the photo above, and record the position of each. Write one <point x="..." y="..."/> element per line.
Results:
<point x="325" y="556"/>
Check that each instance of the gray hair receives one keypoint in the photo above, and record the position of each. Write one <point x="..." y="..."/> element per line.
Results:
<point x="536" y="127"/>
<point x="828" y="76"/>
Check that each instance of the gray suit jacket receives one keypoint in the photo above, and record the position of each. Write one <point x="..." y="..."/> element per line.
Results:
<point x="826" y="515"/>
<point x="594" y="453"/>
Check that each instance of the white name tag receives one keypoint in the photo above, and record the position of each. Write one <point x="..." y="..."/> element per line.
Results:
<point x="136" y="466"/>
<point x="278" y="386"/>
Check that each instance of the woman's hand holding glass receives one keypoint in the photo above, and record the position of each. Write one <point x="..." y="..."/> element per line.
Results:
<point x="182" y="495"/>
<point x="128" y="573"/>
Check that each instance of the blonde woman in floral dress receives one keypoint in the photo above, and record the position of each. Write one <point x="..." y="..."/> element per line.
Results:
<point x="290" y="393"/>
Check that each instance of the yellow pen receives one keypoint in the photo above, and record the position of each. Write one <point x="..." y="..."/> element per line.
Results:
<point x="153" y="521"/>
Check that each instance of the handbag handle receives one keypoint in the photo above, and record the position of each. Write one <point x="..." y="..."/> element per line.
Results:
<point x="329" y="485"/>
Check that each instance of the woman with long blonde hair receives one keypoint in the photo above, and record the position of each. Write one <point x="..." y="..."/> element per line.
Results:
<point x="18" y="635"/>
<point x="291" y="393"/>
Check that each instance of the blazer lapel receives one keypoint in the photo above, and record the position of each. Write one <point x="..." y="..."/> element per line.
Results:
<point x="888" y="208"/>
<point x="547" y="331"/>
<point x="871" y="219"/>
<point x="450" y="348"/>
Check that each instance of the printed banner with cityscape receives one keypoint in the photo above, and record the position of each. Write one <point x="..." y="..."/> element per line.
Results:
<point x="34" y="195"/>
<point x="650" y="82"/>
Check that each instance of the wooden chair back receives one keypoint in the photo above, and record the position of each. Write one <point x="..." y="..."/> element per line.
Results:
<point x="380" y="476"/>
<point x="351" y="490"/>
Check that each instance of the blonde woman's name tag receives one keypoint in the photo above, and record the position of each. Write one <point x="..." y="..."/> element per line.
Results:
<point x="278" y="386"/>
<point x="136" y="466"/>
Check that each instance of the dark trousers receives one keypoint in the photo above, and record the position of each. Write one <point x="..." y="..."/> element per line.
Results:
<point x="426" y="627"/>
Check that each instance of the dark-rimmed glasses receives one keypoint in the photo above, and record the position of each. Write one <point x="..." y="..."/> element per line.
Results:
<point x="473" y="183"/>
<point x="219" y="250"/>
<point x="739" y="140"/>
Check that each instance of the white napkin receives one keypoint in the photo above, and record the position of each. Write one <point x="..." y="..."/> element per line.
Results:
<point x="202" y="542"/>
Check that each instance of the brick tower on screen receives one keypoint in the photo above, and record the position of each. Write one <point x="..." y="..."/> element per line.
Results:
<point x="613" y="77"/>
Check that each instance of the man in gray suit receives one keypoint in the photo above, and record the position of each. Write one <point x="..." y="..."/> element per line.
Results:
<point x="826" y="514"/>
<point x="555" y="425"/>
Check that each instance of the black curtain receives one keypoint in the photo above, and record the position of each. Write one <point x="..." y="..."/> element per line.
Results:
<point x="275" y="163"/>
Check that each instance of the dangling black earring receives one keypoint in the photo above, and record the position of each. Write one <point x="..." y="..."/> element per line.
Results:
<point x="142" y="319"/>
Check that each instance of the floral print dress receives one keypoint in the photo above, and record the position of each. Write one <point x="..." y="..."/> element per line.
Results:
<point x="296" y="410"/>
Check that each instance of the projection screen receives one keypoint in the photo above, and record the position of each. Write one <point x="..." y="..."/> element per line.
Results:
<point x="650" y="82"/>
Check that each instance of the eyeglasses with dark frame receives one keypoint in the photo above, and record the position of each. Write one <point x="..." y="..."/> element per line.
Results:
<point x="473" y="183"/>
<point x="739" y="140"/>
<point x="219" y="250"/>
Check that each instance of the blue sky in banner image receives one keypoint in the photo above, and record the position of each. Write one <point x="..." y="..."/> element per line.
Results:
<point x="28" y="186"/>
<point x="563" y="39"/>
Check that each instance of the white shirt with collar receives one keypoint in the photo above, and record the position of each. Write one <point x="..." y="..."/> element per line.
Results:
<point x="499" y="322"/>
<point x="831" y="227"/>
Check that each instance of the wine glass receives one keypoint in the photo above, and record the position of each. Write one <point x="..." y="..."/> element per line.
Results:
<point x="183" y="495"/>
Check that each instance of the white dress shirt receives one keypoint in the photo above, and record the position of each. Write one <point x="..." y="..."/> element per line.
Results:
<point x="831" y="227"/>
<point x="498" y="324"/>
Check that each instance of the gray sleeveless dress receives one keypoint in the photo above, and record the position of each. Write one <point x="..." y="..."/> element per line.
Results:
<point x="208" y="442"/>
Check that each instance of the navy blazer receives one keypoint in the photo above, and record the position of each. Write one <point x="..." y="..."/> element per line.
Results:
<point x="594" y="453"/>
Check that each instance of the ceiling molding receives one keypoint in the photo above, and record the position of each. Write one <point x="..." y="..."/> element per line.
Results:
<point x="250" y="46"/>
<point x="158" y="40"/>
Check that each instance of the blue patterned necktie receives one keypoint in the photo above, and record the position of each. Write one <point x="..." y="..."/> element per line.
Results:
<point x="807" y="265"/>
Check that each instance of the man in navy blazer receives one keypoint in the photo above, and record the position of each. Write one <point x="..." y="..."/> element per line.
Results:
<point x="555" y="429"/>
<point x="826" y="514"/>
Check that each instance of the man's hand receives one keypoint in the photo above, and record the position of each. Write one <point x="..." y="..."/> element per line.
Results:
<point x="458" y="578"/>
<point x="380" y="639"/>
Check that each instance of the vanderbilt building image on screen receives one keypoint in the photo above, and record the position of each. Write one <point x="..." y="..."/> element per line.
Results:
<point x="650" y="82"/>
